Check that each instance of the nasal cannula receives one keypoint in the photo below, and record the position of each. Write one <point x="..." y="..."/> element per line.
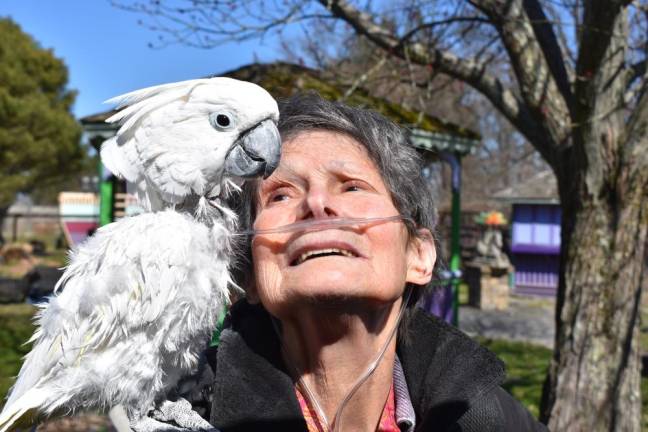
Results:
<point x="322" y="224"/>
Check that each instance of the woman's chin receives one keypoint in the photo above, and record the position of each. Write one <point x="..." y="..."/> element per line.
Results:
<point x="314" y="299"/>
<point x="330" y="284"/>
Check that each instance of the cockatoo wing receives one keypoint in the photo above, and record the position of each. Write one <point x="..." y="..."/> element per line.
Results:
<point x="124" y="314"/>
<point x="140" y="296"/>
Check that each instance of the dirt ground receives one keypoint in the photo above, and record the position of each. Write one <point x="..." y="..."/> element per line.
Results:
<point x="527" y="319"/>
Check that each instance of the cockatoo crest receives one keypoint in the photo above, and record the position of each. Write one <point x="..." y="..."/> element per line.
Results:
<point x="175" y="139"/>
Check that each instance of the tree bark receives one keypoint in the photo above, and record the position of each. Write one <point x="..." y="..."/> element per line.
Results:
<point x="594" y="378"/>
<point x="598" y="147"/>
<point x="599" y="158"/>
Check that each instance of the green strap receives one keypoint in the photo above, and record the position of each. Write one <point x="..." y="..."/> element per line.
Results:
<point x="215" y="340"/>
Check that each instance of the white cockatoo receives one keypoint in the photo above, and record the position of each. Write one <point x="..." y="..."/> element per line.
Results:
<point x="141" y="297"/>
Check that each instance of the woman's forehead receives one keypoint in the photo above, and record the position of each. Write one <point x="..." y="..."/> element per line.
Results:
<point x="324" y="150"/>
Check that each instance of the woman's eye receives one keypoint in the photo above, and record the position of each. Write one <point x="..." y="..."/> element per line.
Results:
<point x="278" y="197"/>
<point x="352" y="187"/>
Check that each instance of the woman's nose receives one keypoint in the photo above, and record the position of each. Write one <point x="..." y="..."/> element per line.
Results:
<point x="319" y="204"/>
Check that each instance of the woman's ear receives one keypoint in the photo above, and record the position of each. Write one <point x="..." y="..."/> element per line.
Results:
<point x="421" y="256"/>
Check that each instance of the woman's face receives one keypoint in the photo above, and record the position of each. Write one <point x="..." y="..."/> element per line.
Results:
<point x="322" y="175"/>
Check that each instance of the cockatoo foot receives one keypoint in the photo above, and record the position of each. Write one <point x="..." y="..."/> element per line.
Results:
<point x="148" y="424"/>
<point x="181" y="413"/>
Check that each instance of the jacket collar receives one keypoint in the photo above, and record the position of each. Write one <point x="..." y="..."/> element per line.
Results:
<point x="445" y="370"/>
<point x="252" y="391"/>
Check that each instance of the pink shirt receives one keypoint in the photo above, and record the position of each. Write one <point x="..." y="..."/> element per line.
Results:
<point x="387" y="419"/>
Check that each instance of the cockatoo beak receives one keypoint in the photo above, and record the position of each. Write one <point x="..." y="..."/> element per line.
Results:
<point x="256" y="152"/>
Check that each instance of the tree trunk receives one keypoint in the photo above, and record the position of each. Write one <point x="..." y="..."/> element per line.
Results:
<point x="594" y="378"/>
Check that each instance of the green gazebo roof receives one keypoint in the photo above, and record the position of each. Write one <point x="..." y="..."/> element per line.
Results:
<point x="285" y="79"/>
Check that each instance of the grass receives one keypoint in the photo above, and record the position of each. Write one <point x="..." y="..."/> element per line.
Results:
<point x="15" y="328"/>
<point x="526" y="367"/>
<point x="16" y="325"/>
<point x="526" y="364"/>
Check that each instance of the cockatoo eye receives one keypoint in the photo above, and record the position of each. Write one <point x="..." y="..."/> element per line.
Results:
<point x="221" y="120"/>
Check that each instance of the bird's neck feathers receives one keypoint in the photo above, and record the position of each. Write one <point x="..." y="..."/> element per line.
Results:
<point x="213" y="212"/>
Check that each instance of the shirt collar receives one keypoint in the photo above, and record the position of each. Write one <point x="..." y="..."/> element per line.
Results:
<point x="405" y="415"/>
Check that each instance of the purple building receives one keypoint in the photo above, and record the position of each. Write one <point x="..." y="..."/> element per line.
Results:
<point x="535" y="234"/>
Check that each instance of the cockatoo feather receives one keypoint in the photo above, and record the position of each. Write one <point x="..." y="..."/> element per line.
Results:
<point x="163" y="134"/>
<point x="128" y="309"/>
<point x="140" y="298"/>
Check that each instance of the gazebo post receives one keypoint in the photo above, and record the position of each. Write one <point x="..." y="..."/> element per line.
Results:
<point x="454" y="160"/>
<point x="106" y="179"/>
<point x="106" y="196"/>
<point x="449" y="149"/>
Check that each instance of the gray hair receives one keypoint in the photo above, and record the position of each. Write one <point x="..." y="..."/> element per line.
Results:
<point x="389" y="148"/>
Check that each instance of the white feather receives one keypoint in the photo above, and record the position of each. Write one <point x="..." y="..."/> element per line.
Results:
<point x="115" y="159"/>
<point x="31" y="400"/>
<point x="139" y="300"/>
<point x="139" y="293"/>
<point x="139" y="95"/>
<point x="166" y="141"/>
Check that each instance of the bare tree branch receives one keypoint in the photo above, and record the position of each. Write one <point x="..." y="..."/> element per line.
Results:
<point x="364" y="77"/>
<point x="636" y="71"/>
<point x="536" y="80"/>
<point x="635" y="150"/>
<point x="466" y="70"/>
<point x="550" y="47"/>
<point x="600" y="89"/>
<point x="186" y="24"/>
<point x="429" y="25"/>
<point x="597" y="35"/>
<point x="566" y="21"/>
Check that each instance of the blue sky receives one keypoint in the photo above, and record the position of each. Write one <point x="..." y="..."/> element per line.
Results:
<point x="107" y="52"/>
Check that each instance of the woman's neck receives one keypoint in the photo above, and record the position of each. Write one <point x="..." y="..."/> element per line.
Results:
<point x="332" y="348"/>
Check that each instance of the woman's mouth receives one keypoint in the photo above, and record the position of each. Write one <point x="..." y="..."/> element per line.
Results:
<point x="318" y="253"/>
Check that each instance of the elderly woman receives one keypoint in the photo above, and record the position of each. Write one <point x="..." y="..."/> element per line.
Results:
<point x="310" y="348"/>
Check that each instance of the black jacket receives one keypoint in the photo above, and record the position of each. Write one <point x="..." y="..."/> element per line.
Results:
<point x="454" y="382"/>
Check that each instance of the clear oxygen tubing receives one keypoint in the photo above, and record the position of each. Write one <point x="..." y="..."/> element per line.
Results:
<point x="322" y="224"/>
<point x="337" y="420"/>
